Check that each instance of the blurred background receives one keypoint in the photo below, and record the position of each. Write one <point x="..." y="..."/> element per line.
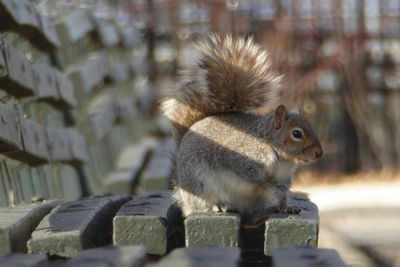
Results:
<point x="341" y="61"/>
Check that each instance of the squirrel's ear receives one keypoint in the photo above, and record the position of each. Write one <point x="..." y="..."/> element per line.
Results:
<point x="280" y="115"/>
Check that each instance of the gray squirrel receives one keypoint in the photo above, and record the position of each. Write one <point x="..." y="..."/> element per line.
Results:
<point x="228" y="158"/>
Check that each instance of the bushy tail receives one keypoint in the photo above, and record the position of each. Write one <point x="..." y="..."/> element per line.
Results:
<point x="232" y="74"/>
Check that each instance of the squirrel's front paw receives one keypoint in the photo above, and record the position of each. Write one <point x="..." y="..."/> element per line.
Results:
<point x="290" y="210"/>
<point x="223" y="208"/>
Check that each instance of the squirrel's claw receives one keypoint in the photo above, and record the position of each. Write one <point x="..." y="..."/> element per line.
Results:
<point x="290" y="210"/>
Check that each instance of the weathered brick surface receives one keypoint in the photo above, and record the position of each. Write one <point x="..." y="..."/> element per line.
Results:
<point x="215" y="229"/>
<point x="17" y="224"/>
<point x="23" y="260"/>
<point x="148" y="220"/>
<point x="130" y="164"/>
<point x="306" y="257"/>
<point x="285" y="230"/>
<point x="156" y="176"/>
<point x="110" y="256"/>
<point x="200" y="257"/>
<point x="75" y="226"/>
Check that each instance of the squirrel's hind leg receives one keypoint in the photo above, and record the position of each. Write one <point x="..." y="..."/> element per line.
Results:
<point x="190" y="203"/>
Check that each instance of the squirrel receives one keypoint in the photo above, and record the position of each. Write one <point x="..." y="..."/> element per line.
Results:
<point x="230" y="158"/>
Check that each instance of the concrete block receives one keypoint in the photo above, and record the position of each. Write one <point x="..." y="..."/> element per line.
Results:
<point x="306" y="257"/>
<point x="286" y="230"/>
<point x="156" y="176"/>
<point x="17" y="224"/>
<point x="23" y="260"/>
<point x="148" y="220"/>
<point x="129" y="256"/>
<point x="200" y="257"/>
<point x="212" y="229"/>
<point x="76" y="225"/>
<point x="129" y="166"/>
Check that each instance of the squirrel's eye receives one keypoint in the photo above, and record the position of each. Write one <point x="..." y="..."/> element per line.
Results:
<point x="297" y="134"/>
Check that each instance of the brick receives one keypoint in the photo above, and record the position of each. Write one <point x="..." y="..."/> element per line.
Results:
<point x="75" y="226"/>
<point x="49" y="40"/>
<point x="108" y="33"/>
<point x="10" y="137"/>
<point x="74" y="26"/>
<point x="126" y="110"/>
<point x="20" y="15"/>
<point x="147" y="220"/>
<point x="78" y="147"/>
<point x="17" y="223"/>
<point x="156" y="176"/>
<point x="129" y="166"/>
<point x="65" y="90"/>
<point x="23" y="260"/>
<point x="305" y="257"/>
<point x="87" y="75"/>
<point x="45" y="82"/>
<point x="17" y="77"/>
<point x="57" y="139"/>
<point x="129" y="256"/>
<point x="103" y="119"/>
<point x="212" y="229"/>
<point x="121" y="71"/>
<point x="35" y="150"/>
<point x="200" y="257"/>
<point x="130" y="36"/>
<point x="285" y="230"/>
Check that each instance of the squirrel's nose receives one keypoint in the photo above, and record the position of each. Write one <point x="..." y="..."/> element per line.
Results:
<point x="318" y="152"/>
<point x="314" y="152"/>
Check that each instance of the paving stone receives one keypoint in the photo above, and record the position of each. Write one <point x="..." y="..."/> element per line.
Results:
<point x="76" y="225"/>
<point x="17" y="223"/>
<point x="156" y="176"/>
<point x="286" y="230"/>
<point x="23" y="260"/>
<point x="110" y="256"/>
<point x="306" y="257"/>
<point x="74" y="26"/>
<point x="148" y="220"/>
<point x="121" y="181"/>
<point x="108" y="33"/>
<point x="129" y="166"/>
<point x="200" y="257"/>
<point x="215" y="229"/>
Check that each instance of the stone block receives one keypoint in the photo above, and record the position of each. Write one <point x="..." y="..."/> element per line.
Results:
<point x="10" y="137"/>
<point x="129" y="256"/>
<point x="129" y="166"/>
<point x="76" y="225"/>
<point x="108" y="33"/>
<point x="286" y="230"/>
<point x="45" y="83"/>
<point x="35" y="150"/>
<point x="65" y="90"/>
<point x="16" y="78"/>
<point x="306" y="257"/>
<point x="17" y="223"/>
<point x="57" y="140"/>
<point x="156" y="175"/>
<point x="147" y="220"/>
<point x="212" y="229"/>
<point x="200" y="257"/>
<point x="74" y="26"/>
<point x="23" y="260"/>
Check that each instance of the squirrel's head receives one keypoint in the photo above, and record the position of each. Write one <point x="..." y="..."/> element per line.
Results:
<point x="294" y="137"/>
